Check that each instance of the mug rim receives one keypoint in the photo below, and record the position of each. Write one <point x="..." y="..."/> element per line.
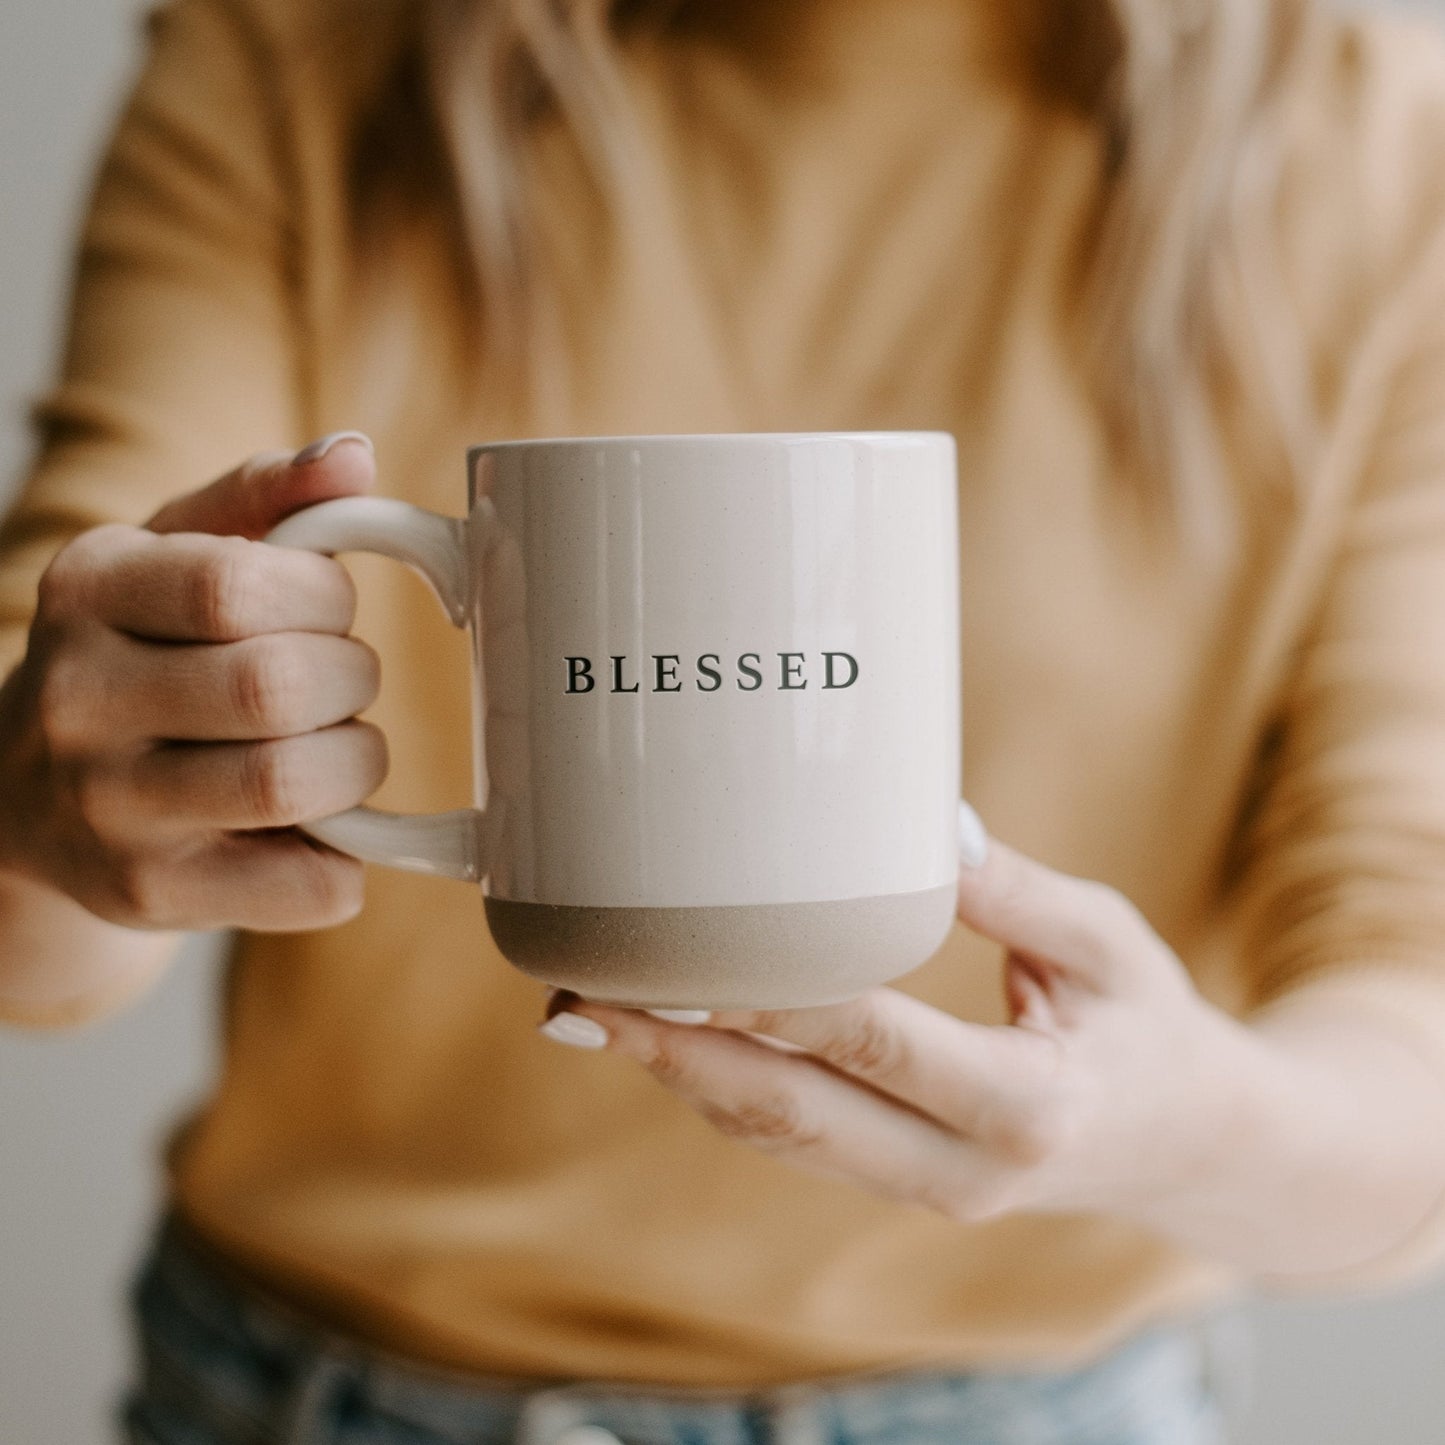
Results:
<point x="872" y="437"/>
<point x="880" y="439"/>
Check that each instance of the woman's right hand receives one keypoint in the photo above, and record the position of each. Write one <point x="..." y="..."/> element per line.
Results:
<point x="189" y="693"/>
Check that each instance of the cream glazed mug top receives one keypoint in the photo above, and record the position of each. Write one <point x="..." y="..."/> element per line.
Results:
<point x="716" y="708"/>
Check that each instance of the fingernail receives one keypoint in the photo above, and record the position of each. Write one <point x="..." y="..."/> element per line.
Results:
<point x="321" y="448"/>
<point x="972" y="838"/>
<point x="681" y="1015"/>
<point x="576" y="1031"/>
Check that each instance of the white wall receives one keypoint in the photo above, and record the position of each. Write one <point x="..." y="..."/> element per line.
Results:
<point x="80" y="1115"/>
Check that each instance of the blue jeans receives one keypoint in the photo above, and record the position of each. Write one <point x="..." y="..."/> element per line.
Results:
<point x="222" y="1366"/>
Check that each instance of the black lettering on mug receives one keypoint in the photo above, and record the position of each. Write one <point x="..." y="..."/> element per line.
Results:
<point x="840" y="670"/>
<point x="617" y="676"/>
<point x="828" y="669"/>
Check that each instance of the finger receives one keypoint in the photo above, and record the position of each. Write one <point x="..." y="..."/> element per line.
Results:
<point x="190" y="587"/>
<point x="977" y="1079"/>
<point x="271" y="784"/>
<point x="265" y="882"/>
<point x="258" y="494"/>
<point x="1084" y="930"/>
<point x="283" y="882"/>
<point x="792" y="1106"/>
<point x="275" y="686"/>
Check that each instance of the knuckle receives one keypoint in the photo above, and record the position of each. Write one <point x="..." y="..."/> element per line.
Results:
<point x="56" y="588"/>
<point x="266" y="679"/>
<point x="63" y="703"/>
<point x="64" y="582"/>
<point x="53" y="590"/>
<point x="774" y="1121"/>
<point x="225" y="588"/>
<point x="1115" y="910"/>
<point x="336" y="579"/>
<point x="271" y="787"/>
<point x="375" y="756"/>
<point x="669" y="1065"/>
<point x="369" y="670"/>
<point x="141" y="891"/>
<point x="1105" y="920"/>
<point x="1031" y="1134"/>
<point x="335" y="889"/>
<point x="97" y="802"/>
<point x="346" y="588"/>
<point x="873" y="1050"/>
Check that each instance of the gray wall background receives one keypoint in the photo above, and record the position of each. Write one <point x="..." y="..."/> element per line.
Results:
<point x="81" y="1114"/>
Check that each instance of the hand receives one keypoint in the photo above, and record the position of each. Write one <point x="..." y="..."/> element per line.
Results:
<point x="1112" y="1086"/>
<point x="187" y="695"/>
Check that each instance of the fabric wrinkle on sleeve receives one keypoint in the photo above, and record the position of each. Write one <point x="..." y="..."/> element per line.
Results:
<point x="1342" y="881"/>
<point x="181" y="352"/>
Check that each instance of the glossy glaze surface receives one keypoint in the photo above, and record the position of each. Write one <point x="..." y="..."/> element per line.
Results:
<point x="718" y="671"/>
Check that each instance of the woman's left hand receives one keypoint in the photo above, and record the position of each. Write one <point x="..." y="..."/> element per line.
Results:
<point x="1113" y="1085"/>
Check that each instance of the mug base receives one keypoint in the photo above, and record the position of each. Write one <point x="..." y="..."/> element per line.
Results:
<point x="734" y="956"/>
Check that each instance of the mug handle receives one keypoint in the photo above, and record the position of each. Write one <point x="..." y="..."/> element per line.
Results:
<point x="447" y="845"/>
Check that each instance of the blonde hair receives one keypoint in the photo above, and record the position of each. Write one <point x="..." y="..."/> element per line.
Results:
<point x="1176" y="301"/>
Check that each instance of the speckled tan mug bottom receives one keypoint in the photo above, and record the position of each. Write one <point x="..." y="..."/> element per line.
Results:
<point x="765" y="955"/>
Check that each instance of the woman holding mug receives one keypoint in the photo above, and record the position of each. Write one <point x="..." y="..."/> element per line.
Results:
<point x="1172" y="275"/>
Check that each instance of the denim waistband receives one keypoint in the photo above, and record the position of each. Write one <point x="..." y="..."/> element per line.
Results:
<point x="224" y="1364"/>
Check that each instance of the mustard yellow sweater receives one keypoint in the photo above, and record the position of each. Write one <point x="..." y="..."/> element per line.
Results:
<point x="1250" y="740"/>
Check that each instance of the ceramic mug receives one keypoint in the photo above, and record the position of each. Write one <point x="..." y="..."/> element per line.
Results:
<point x="716" y="708"/>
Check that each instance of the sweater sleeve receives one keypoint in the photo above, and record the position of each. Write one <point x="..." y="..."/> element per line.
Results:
<point x="1343" y="874"/>
<point x="181" y="353"/>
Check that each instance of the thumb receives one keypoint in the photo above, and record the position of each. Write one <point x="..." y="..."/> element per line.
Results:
<point x="263" y="491"/>
<point x="1085" y="931"/>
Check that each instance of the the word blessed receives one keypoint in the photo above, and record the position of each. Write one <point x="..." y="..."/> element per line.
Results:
<point x="831" y="670"/>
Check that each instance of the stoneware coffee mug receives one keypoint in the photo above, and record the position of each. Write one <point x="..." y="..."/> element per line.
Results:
<point x="716" y="692"/>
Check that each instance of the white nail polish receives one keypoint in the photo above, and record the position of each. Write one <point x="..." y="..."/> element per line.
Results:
<point x="576" y="1031"/>
<point x="972" y="838"/>
<point x="681" y="1015"/>
<point x="326" y="444"/>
